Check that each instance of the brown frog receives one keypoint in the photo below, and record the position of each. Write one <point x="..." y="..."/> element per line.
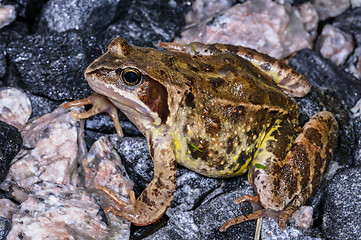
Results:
<point x="219" y="110"/>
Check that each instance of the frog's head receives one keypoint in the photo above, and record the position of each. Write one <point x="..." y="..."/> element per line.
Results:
<point x="130" y="78"/>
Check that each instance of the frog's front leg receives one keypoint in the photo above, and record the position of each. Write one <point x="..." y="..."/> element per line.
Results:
<point x="156" y="198"/>
<point x="100" y="103"/>
<point x="283" y="186"/>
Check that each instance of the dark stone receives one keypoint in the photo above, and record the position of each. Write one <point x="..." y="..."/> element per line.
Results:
<point x="10" y="143"/>
<point x="5" y="227"/>
<point x="89" y="16"/>
<point x="342" y="206"/>
<point x="325" y="74"/>
<point x="297" y="2"/>
<point x="219" y="208"/>
<point x="148" y="22"/>
<point x="136" y="159"/>
<point x="52" y="66"/>
<point x="4" y="194"/>
<point x="2" y="60"/>
<point x="357" y="153"/>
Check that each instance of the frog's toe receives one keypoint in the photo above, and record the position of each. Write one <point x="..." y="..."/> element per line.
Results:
<point x="99" y="104"/>
<point x="241" y="219"/>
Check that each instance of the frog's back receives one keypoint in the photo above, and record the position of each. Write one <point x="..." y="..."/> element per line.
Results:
<point x="228" y="107"/>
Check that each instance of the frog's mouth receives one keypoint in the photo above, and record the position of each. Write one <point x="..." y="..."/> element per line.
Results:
<point x="123" y="101"/>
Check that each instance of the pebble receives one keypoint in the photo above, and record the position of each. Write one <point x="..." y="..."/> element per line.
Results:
<point x="7" y="15"/>
<point x="335" y="44"/>
<point x="15" y="107"/>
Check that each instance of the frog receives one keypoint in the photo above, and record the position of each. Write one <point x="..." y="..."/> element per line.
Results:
<point x="219" y="110"/>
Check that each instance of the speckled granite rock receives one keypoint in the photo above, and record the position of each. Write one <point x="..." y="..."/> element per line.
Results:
<point x="74" y="214"/>
<point x="50" y="153"/>
<point x="7" y="15"/>
<point x="10" y="144"/>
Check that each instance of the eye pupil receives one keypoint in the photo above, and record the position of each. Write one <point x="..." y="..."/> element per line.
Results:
<point x="131" y="76"/>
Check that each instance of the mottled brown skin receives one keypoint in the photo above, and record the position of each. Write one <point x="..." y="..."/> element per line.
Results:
<point x="215" y="111"/>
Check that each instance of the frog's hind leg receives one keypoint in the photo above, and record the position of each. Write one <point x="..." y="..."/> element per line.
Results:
<point x="307" y="160"/>
<point x="264" y="171"/>
<point x="286" y="169"/>
<point x="287" y="183"/>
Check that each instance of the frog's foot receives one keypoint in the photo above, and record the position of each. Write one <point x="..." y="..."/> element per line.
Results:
<point x="99" y="104"/>
<point x="258" y="212"/>
<point x="124" y="208"/>
<point x="152" y="203"/>
<point x="241" y="219"/>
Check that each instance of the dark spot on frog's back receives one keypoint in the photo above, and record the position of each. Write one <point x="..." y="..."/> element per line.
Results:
<point x="206" y="67"/>
<point x="155" y="96"/>
<point x="169" y="61"/>
<point x="314" y="136"/>
<point x="232" y="48"/>
<point x="216" y="82"/>
<point x="190" y="99"/>
<point x="192" y="68"/>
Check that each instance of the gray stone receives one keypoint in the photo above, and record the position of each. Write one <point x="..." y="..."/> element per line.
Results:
<point x="342" y="206"/>
<point x="91" y="16"/>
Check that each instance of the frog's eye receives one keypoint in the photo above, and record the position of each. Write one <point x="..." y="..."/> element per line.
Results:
<point x="131" y="76"/>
